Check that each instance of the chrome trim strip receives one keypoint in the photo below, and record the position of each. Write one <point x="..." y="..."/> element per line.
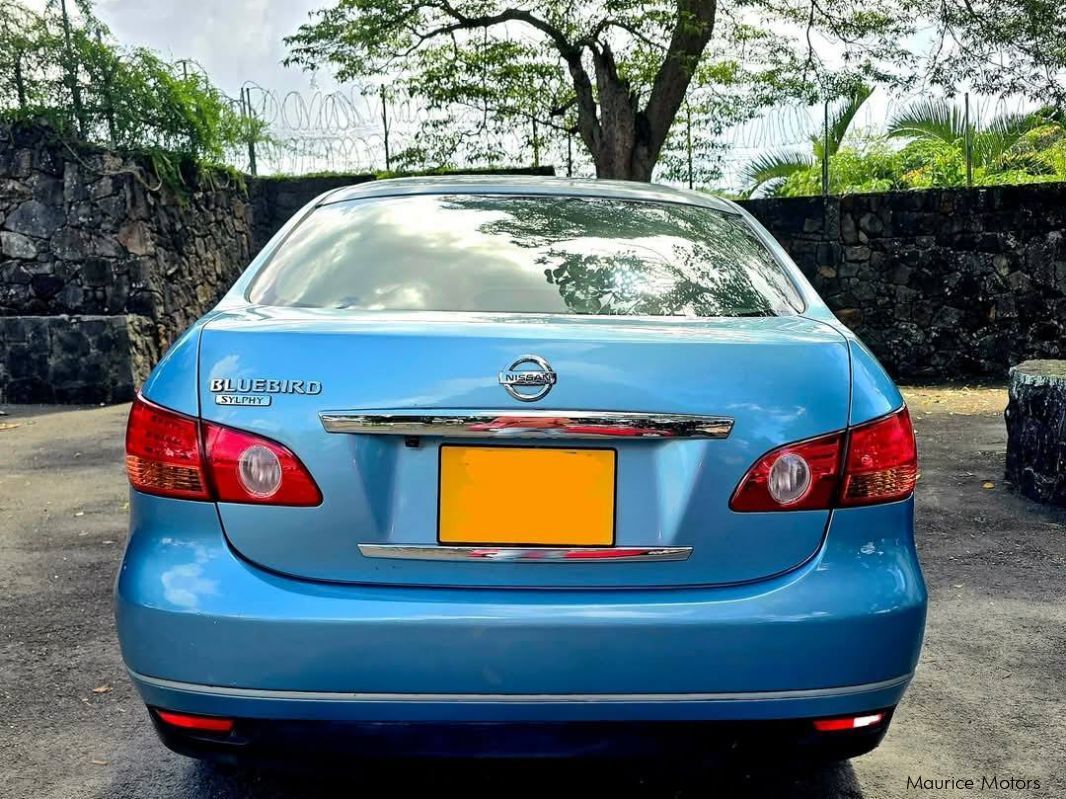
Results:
<point x="497" y="554"/>
<point x="505" y="424"/>
<point x="355" y="696"/>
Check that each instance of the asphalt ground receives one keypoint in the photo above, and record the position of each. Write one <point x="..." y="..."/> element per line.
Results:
<point x="988" y="702"/>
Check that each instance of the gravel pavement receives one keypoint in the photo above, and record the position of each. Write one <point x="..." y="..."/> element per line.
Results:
<point x="989" y="700"/>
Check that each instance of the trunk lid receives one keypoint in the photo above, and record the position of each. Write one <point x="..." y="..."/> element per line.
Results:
<point x="780" y="379"/>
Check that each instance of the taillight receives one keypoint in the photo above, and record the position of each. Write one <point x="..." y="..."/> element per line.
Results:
<point x="874" y="462"/>
<point x="882" y="462"/>
<point x="163" y="453"/>
<point x="803" y="476"/>
<point x="247" y="468"/>
<point x="173" y="455"/>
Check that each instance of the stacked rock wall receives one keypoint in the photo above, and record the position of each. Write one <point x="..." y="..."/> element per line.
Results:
<point x="944" y="283"/>
<point x="91" y="245"/>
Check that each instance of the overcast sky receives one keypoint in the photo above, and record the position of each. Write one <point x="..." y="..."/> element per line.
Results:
<point x="234" y="40"/>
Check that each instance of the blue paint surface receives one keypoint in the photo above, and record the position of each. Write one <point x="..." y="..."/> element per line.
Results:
<point x="191" y="610"/>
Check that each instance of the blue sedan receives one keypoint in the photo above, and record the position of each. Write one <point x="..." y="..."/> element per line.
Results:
<point x="520" y="467"/>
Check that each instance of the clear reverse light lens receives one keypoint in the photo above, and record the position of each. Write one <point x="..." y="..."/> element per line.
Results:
<point x="790" y="477"/>
<point x="260" y="471"/>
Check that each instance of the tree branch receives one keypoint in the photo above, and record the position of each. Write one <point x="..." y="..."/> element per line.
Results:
<point x="562" y="108"/>
<point x="621" y="25"/>
<point x="507" y="15"/>
<point x="588" y="121"/>
<point x="695" y="25"/>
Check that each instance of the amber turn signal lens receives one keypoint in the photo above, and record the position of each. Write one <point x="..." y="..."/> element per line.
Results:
<point x="882" y="462"/>
<point x="163" y="452"/>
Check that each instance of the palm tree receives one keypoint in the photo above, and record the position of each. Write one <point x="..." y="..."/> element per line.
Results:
<point x="995" y="145"/>
<point x="769" y="171"/>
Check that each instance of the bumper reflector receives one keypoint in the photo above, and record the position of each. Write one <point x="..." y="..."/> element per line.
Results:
<point x="197" y="723"/>
<point x="848" y="723"/>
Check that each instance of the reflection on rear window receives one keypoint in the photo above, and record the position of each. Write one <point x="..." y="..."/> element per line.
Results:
<point x="525" y="254"/>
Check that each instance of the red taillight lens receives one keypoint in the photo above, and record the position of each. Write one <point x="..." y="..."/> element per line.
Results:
<point x="821" y="456"/>
<point x="164" y="456"/>
<point x="849" y="722"/>
<point x="882" y="462"/>
<point x="248" y="468"/>
<point x="163" y="453"/>
<point x="187" y="721"/>
<point x="881" y="465"/>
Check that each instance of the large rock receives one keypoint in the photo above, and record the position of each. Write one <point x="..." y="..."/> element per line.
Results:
<point x="33" y="218"/>
<point x="1036" y="430"/>
<point x="15" y="245"/>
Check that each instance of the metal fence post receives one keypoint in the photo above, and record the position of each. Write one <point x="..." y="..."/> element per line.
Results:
<point x="385" y="127"/>
<point x="246" y="113"/>
<point x="569" y="154"/>
<point x="825" y="151"/>
<point x="536" y="144"/>
<point x="969" y="143"/>
<point x="688" y="141"/>
<point x="20" y="81"/>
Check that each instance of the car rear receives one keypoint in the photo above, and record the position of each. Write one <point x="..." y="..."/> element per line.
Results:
<point x="565" y="460"/>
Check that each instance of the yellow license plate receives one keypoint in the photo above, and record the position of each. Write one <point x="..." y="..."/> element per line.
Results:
<point x="526" y="496"/>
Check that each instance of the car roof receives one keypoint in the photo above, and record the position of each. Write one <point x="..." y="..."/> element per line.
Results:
<point x="524" y="185"/>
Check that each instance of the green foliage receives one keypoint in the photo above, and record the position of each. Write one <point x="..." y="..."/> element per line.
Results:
<point x="932" y="159"/>
<point x="870" y="166"/>
<point x="67" y="72"/>
<point x="1009" y="148"/>
<point x="992" y="144"/>
<point x="770" y="172"/>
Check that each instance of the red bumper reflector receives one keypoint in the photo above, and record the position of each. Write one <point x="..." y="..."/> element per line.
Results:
<point x="849" y="723"/>
<point x="198" y="723"/>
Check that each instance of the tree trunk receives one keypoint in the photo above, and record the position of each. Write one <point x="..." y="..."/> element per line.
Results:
<point x="624" y="139"/>
<point x="619" y="135"/>
<point x="624" y="151"/>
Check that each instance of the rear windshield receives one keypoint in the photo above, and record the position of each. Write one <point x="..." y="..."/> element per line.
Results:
<point x="519" y="254"/>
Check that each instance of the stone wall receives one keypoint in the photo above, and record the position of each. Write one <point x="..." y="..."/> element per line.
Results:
<point x="947" y="283"/>
<point x="89" y="232"/>
<point x="69" y="359"/>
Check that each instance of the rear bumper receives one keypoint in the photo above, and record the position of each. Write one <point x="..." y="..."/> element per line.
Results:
<point x="202" y="631"/>
<point x="496" y="708"/>
<point x="309" y="743"/>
